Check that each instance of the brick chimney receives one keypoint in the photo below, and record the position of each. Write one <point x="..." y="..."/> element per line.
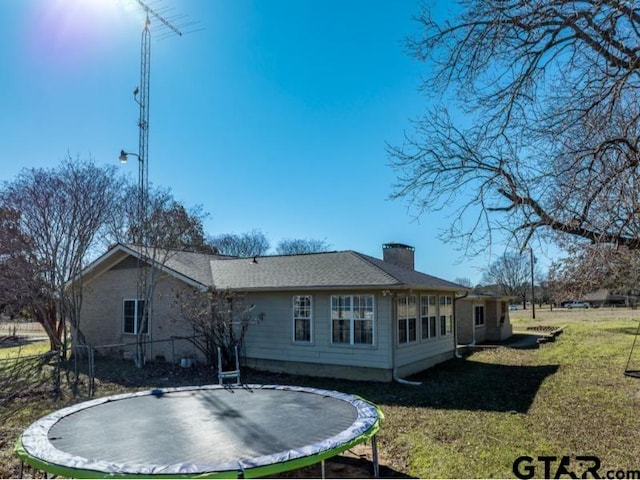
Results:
<point x="399" y="254"/>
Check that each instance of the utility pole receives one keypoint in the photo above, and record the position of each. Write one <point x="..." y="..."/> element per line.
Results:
<point x="533" y="291"/>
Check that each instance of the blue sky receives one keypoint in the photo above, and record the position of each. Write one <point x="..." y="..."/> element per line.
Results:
<point x="274" y="116"/>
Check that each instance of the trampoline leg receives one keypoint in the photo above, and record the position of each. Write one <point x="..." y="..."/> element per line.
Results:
<point x="322" y="474"/>
<point x="374" y="454"/>
<point x="21" y="469"/>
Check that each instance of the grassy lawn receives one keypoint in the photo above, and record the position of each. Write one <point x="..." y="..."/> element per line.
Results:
<point x="566" y="398"/>
<point x="470" y="418"/>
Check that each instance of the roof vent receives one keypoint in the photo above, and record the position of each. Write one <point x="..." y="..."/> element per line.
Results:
<point x="399" y="254"/>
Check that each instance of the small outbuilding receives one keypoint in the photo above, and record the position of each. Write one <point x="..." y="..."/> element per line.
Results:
<point x="483" y="318"/>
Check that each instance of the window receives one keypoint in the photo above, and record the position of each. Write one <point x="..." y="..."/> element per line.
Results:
<point x="302" y="309"/>
<point x="428" y="315"/>
<point x="407" y="314"/>
<point x="133" y="321"/>
<point x="478" y="315"/>
<point x="352" y="318"/>
<point x="446" y="315"/>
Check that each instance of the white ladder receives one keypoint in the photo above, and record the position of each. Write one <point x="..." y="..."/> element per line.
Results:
<point x="229" y="374"/>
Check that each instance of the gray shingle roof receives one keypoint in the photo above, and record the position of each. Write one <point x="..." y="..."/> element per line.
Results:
<point x="405" y="276"/>
<point x="319" y="270"/>
<point x="344" y="269"/>
<point x="193" y="265"/>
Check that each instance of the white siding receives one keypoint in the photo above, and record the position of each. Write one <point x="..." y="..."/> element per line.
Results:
<point x="424" y="351"/>
<point x="269" y="342"/>
<point x="272" y="339"/>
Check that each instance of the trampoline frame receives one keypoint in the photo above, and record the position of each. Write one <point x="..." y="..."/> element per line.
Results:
<point x="627" y="371"/>
<point x="34" y="440"/>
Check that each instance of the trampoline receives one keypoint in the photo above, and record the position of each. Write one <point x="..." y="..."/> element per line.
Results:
<point x="208" y="431"/>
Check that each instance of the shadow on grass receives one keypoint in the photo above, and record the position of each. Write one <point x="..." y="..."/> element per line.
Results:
<point x="153" y="374"/>
<point x="472" y="385"/>
<point x="519" y="340"/>
<point x="625" y="330"/>
<point x="524" y="340"/>
<point x="12" y="341"/>
<point x="343" y="466"/>
<point x="457" y="384"/>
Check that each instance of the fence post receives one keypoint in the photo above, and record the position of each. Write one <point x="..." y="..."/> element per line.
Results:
<point x="173" y="352"/>
<point x="56" y="373"/>
<point x="92" y="376"/>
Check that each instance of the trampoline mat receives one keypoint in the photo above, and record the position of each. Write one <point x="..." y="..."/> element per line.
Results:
<point x="200" y="429"/>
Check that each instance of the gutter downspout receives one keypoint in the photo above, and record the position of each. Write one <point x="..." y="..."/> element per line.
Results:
<point x="473" y="327"/>
<point x="394" y="338"/>
<point x="403" y="380"/>
<point x="455" y="325"/>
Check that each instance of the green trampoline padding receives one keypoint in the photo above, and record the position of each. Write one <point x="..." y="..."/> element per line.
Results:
<point x="207" y="431"/>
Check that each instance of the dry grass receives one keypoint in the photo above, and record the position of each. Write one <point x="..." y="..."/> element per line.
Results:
<point x="470" y="418"/>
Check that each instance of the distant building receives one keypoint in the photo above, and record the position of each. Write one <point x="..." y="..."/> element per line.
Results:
<point x="604" y="298"/>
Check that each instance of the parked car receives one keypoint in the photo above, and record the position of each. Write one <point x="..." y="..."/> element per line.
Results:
<point x="577" y="305"/>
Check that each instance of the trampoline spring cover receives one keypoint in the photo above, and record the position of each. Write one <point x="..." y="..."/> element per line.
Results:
<point x="206" y="430"/>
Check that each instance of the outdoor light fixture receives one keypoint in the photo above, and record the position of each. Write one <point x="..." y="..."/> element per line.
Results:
<point x="123" y="156"/>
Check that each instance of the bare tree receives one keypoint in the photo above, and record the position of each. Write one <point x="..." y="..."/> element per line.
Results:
<point x="251" y="244"/>
<point x="546" y="138"/>
<point x="171" y="225"/>
<point x="588" y="268"/>
<point x="464" y="281"/>
<point x="295" y="246"/>
<point x="25" y="376"/>
<point x="20" y="284"/>
<point x="166" y="228"/>
<point x="61" y="213"/>
<point x="168" y="223"/>
<point x="511" y="274"/>
<point x="217" y="318"/>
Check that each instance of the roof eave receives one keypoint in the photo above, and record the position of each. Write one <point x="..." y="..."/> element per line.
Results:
<point x="394" y="287"/>
<point x="102" y="264"/>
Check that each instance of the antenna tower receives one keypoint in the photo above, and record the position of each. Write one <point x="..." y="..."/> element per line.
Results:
<point x="141" y="95"/>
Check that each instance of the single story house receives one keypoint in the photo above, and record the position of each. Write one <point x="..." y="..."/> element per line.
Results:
<point x="483" y="318"/>
<point x="338" y="314"/>
<point x="605" y="298"/>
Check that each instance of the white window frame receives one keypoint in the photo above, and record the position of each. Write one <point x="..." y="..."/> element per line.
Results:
<point x="136" y="316"/>
<point x="295" y="313"/>
<point x="352" y="319"/>
<point x="475" y="316"/>
<point x="404" y="317"/>
<point x="445" y="310"/>
<point x="428" y="313"/>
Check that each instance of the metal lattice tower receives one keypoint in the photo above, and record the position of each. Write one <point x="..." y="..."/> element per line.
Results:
<point x="143" y="124"/>
<point x="141" y="95"/>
